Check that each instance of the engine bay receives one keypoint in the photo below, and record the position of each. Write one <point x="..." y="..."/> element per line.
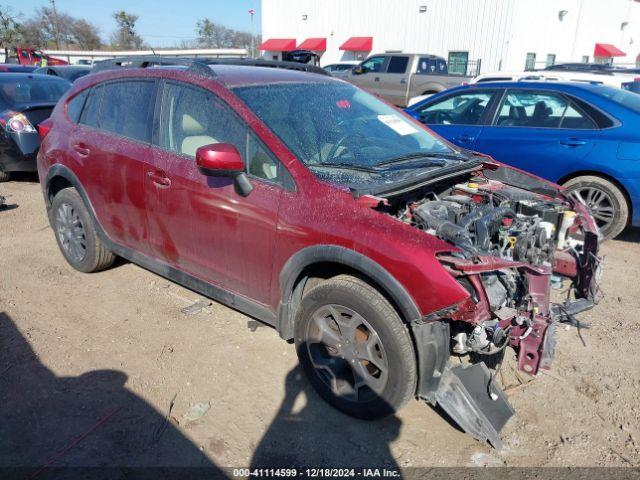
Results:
<point x="509" y="244"/>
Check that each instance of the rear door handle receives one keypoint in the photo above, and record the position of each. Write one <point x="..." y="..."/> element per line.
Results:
<point x="464" y="138"/>
<point x="572" y="142"/>
<point x="403" y="81"/>
<point x="376" y="79"/>
<point x="159" y="178"/>
<point x="81" y="149"/>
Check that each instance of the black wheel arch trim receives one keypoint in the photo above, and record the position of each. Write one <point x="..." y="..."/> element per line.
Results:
<point x="344" y="256"/>
<point x="231" y="299"/>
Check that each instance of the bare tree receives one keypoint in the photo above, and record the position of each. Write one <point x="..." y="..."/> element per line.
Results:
<point x="10" y="29"/>
<point x="214" y="35"/>
<point x="86" y="36"/>
<point x="125" y="36"/>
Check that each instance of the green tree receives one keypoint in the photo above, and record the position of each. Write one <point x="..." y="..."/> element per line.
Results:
<point x="10" y="29"/>
<point x="125" y="36"/>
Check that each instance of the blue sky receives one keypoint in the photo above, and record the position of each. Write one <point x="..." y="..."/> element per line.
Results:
<point x="162" y="22"/>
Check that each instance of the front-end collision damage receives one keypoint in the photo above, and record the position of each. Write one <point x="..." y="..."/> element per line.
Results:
<point x="509" y="244"/>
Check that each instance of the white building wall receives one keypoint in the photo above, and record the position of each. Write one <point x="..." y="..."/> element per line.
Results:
<point x="500" y="32"/>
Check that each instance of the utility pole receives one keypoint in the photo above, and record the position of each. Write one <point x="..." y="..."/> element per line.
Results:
<point x="56" y="26"/>
<point x="253" y="36"/>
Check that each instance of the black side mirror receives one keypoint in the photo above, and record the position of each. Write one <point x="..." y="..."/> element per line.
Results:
<point x="358" y="70"/>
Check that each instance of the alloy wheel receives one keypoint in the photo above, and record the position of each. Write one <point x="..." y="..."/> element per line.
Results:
<point x="71" y="233"/>
<point x="600" y="204"/>
<point x="347" y="353"/>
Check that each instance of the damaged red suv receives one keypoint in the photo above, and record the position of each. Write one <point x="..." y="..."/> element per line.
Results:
<point x="309" y="204"/>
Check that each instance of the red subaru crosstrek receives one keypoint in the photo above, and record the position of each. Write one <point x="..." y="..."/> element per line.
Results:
<point x="307" y="203"/>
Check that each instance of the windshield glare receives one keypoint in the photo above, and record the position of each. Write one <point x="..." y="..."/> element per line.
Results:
<point x="337" y="123"/>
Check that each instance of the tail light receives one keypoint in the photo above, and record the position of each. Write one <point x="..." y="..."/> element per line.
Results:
<point x="44" y="128"/>
<point x="637" y="79"/>
<point x="16" y="123"/>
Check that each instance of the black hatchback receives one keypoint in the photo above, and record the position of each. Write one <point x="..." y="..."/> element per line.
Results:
<point x="25" y="101"/>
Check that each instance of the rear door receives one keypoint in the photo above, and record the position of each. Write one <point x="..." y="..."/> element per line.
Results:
<point x="200" y="224"/>
<point x="540" y="131"/>
<point x="111" y="146"/>
<point x="394" y="81"/>
<point x="460" y="116"/>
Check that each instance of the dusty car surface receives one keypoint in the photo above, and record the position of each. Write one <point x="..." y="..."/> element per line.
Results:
<point x="311" y="205"/>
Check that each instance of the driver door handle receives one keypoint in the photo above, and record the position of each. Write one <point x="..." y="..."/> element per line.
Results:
<point x="572" y="142"/>
<point x="376" y="79"/>
<point x="464" y="138"/>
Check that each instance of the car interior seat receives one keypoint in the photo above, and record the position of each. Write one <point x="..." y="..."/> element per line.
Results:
<point x="541" y="114"/>
<point x="193" y="135"/>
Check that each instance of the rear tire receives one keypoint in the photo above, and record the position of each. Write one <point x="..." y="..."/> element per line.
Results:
<point x="4" y="176"/>
<point x="607" y="203"/>
<point x="76" y="234"/>
<point x="354" y="348"/>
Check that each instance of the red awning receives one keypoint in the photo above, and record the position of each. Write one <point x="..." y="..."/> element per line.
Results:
<point x="358" y="44"/>
<point x="278" y="44"/>
<point x="315" y="44"/>
<point x="607" y="50"/>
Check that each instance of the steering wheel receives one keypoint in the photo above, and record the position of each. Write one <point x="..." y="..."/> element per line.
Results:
<point x="442" y="117"/>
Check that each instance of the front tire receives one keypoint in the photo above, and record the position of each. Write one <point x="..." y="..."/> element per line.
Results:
<point x="605" y="200"/>
<point x="76" y="234"/>
<point x="354" y="348"/>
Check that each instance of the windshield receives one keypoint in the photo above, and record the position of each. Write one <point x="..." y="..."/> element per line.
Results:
<point x="326" y="124"/>
<point x="622" y="97"/>
<point x="32" y="89"/>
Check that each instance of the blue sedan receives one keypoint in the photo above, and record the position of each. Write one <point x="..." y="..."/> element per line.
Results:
<point x="583" y="136"/>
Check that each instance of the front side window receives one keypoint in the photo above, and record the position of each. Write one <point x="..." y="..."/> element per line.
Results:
<point x="523" y="108"/>
<point x="373" y="64"/>
<point x="192" y="118"/>
<point x="460" y="109"/>
<point x="397" y="64"/>
<point x="128" y="109"/>
<point x="262" y="164"/>
<point x="336" y="123"/>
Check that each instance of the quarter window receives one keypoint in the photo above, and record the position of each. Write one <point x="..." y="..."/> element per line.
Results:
<point x="91" y="111"/>
<point x="128" y="111"/>
<point x="262" y="164"/>
<point x="540" y="110"/>
<point x="74" y="107"/>
<point x="192" y="118"/>
<point x="461" y="109"/>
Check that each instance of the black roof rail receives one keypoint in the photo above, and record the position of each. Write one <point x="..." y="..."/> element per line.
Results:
<point x="200" y="65"/>
<point x="195" y="65"/>
<point x="253" y="62"/>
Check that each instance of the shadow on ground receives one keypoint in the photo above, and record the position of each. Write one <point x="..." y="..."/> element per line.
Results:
<point x="92" y="426"/>
<point x="49" y="422"/>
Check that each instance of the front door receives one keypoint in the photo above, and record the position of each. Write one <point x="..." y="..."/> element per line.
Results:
<point x="200" y="224"/>
<point x="458" y="117"/>
<point x="542" y="132"/>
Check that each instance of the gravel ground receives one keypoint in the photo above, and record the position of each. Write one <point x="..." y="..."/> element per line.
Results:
<point x="105" y="369"/>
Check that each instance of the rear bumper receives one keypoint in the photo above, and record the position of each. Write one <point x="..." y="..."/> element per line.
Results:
<point x="18" y="154"/>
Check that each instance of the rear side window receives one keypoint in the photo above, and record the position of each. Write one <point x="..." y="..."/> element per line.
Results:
<point x="432" y="66"/>
<point x="91" y="110"/>
<point x="74" y="106"/>
<point x="526" y="108"/>
<point x="128" y="109"/>
<point x="397" y="65"/>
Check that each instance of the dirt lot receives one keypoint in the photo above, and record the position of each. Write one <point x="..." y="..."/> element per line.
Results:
<point x="105" y="369"/>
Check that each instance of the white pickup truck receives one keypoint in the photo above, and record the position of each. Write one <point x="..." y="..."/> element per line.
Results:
<point x="398" y="77"/>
